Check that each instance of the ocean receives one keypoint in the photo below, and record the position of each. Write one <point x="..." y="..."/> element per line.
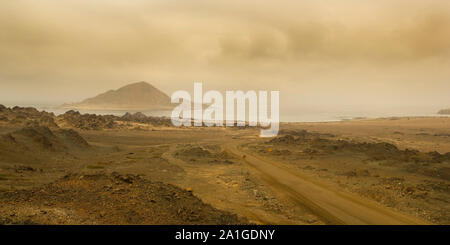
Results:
<point x="301" y="114"/>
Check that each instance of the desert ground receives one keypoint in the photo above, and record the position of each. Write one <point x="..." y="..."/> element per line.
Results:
<point x="90" y="169"/>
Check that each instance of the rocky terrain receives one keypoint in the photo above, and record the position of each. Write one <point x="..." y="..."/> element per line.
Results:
<point x="141" y="118"/>
<point x="53" y="175"/>
<point x="207" y="154"/>
<point x="23" y="116"/>
<point x="101" y="169"/>
<point x="108" y="199"/>
<point x="406" y="179"/>
<point x="87" y="121"/>
<point x="379" y="151"/>
<point x="28" y="116"/>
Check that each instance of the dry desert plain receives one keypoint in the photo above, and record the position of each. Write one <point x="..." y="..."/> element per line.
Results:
<point x="88" y="169"/>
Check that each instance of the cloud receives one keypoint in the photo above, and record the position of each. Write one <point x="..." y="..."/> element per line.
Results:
<point x="90" y="46"/>
<point x="386" y="41"/>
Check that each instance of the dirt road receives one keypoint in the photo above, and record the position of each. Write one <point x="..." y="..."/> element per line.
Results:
<point x="333" y="206"/>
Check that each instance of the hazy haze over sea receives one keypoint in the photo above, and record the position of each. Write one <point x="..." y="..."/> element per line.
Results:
<point x="299" y="114"/>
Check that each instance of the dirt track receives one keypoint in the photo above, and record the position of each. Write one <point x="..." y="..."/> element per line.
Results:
<point x="382" y="173"/>
<point x="332" y="206"/>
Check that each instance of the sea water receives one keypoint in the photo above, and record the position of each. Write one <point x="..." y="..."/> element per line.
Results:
<point x="292" y="114"/>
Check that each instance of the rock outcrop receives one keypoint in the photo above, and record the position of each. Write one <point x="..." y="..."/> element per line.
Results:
<point x="135" y="96"/>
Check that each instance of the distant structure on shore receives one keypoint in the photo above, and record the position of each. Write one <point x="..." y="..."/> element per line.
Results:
<point x="135" y="96"/>
<point x="444" y="112"/>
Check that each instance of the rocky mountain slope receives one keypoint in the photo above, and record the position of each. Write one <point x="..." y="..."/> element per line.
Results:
<point x="135" y="96"/>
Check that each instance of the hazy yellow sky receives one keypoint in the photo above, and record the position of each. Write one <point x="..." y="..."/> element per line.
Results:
<point x="317" y="52"/>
